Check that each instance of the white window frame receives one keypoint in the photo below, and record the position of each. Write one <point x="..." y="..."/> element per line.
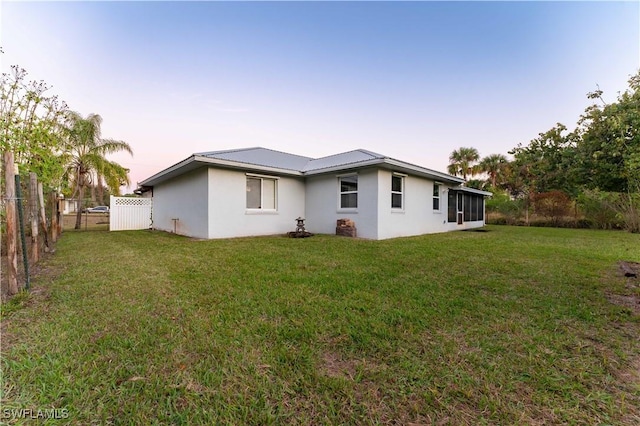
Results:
<point x="434" y="196"/>
<point x="341" y="193"/>
<point x="262" y="178"/>
<point x="401" y="192"/>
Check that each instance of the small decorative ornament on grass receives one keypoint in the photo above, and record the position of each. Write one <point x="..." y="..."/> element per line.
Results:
<point x="300" y="232"/>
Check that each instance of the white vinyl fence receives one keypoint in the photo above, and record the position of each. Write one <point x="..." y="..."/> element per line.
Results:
<point x="130" y="213"/>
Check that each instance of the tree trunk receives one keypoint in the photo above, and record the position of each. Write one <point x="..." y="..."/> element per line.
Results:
<point x="12" y="232"/>
<point x="79" y="212"/>
<point x="100" y="190"/>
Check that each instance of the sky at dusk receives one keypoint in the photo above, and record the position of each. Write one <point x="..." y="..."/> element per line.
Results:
<point x="411" y="80"/>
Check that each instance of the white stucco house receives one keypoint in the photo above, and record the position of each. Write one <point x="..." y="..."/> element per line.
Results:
<point x="258" y="191"/>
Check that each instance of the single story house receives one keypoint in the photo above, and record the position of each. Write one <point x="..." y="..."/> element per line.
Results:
<point x="258" y="191"/>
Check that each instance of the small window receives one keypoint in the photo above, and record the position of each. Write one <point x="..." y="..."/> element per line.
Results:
<point x="436" y="197"/>
<point x="261" y="193"/>
<point x="397" y="191"/>
<point x="348" y="192"/>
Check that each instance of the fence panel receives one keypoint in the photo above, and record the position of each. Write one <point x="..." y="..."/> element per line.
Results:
<point x="130" y="213"/>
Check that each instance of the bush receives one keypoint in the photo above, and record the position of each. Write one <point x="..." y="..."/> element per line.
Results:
<point x="502" y="210"/>
<point x="500" y="220"/>
<point x="601" y="209"/>
<point x="554" y="205"/>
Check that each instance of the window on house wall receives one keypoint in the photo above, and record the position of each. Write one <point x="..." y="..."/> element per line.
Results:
<point x="436" y="197"/>
<point x="261" y="193"/>
<point x="348" y="191"/>
<point x="397" y="192"/>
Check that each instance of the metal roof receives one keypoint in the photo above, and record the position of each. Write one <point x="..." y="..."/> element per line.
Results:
<point x="342" y="159"/>
<point x="259" y="159"/>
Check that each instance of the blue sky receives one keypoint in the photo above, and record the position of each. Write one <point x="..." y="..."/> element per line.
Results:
<point x="412" y="80"/>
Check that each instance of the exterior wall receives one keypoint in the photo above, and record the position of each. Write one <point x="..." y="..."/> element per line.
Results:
<point x="322" y="204"/>
<point x="211" y="203"/>
<point x="229" y="217"/>
<point x="417" y="216"/>
<point x="183" y="198"/>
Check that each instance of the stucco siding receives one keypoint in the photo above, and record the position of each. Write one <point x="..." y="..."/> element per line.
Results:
<point x="417" y="216"/>
<point x="185" y="199"/>
<point x="323" y="210"/>
<point x="228" y="213"/>
<point x="211" y="202"/>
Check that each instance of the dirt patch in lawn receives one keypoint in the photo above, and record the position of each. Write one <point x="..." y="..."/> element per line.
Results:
<point x="630" y="272"/>
<point x="334" y="366"/>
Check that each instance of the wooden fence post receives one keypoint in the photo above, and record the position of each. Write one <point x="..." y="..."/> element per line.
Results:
<point x="43" y="216"/>
<point x="23" y="240"/>
<point x="33" y="216"/>
<point x="12" y="234"/>
<point x="59" y="214"/>
<point x="54" y="216"/>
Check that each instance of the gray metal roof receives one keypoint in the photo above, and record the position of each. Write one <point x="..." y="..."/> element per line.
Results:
<point x="350" y="158"/>
<point x="267" y="160"/>
<point x="260" y="157"/>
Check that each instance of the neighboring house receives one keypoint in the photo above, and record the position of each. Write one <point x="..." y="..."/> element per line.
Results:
<point x="69" y="205"/>
<point x="258" y="191"/>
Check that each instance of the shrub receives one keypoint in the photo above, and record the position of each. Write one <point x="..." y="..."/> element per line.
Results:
<point x="502" y="210"/>
<point x="553" y="205"/>
<point x="603" y="209"/>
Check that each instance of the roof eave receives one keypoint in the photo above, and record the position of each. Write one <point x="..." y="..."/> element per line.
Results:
<point x="197" y="161"/>
<point x="422" y="171"/>
<point x="393" y="165"/>
<point x="168" y="172"/>
<point x="473" y="191"/>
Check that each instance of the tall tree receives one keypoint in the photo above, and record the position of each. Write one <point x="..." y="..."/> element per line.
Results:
<point x="30" y="124"/>
<point x="494" y="166"/>
<point x="88" y="152"/>
<point x="463" y="162"/>
<point x="609" y="150"/>
<point x="549" y="161"/>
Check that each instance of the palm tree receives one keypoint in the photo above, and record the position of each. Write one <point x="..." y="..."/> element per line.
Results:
<point x="494" y="166"/>
<point x="88" y="162"/>
<point x="462" y="162"/>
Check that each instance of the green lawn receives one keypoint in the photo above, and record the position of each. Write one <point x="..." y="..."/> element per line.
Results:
<point x="510" y="326"/>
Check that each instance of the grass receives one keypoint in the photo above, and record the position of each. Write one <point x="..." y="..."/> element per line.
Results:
<point x="511" y="326"/>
